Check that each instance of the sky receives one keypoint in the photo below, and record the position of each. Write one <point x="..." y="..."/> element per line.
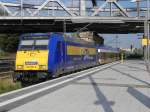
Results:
<point x="124" y="41"/>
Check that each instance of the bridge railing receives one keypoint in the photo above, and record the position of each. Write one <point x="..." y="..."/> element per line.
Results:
<point x="46" y="8"/>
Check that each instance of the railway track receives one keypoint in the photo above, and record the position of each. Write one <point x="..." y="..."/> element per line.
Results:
<point x="6" y="75"/>
<point x="6" y="68"/>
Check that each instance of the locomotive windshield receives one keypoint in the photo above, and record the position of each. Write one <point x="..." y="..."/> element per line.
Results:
<point x="33" y="44"/>
<point x="41" y="44"/>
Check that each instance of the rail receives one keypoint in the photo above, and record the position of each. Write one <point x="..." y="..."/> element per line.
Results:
<point x="6" y="68"/>
<point x="5" y="75"/>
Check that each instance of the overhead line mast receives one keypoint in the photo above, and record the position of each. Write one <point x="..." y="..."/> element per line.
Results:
<point x="94" y="2"/>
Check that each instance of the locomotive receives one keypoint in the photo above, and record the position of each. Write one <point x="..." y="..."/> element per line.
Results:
<point x="42" y="56"/>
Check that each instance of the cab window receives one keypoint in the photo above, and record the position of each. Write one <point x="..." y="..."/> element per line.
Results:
<point x="34" y="43"/>
<point x="26" y="44"/>
<point x="41" y="44"/>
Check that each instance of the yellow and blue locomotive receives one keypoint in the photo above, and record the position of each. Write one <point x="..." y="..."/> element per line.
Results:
<point x="45" y="55"/>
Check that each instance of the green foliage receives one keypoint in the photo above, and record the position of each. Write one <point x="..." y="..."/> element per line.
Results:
<point x="135" y="56"/>
<point x="2" y="12"/>
<point x="9" y="42"/>
<point x="7" y="85"/>
<point x="3" y="54"/>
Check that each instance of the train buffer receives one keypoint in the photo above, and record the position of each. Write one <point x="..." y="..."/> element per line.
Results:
<point x="115" y="87"/>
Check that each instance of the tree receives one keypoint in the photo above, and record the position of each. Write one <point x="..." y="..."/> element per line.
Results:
<point x="3" y="12"/>
<point x="9" y="42"/>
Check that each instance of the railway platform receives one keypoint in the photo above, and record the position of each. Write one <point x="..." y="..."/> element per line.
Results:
<point x="115" y="87"/>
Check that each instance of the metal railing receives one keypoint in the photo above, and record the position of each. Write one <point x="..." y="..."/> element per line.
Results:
<point x="56" y="8"/>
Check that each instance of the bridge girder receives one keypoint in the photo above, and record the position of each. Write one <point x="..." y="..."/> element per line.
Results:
<point x="82" y="10"/>
<point x="106" y="11"/>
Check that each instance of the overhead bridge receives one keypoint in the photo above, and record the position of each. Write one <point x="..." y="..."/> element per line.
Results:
<point x="73" y="24"/>
<point x="103" y="16"/>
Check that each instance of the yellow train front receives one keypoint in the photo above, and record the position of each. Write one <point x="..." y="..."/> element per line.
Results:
<point x="42" y="56"/>
<point x="32" y="58"/>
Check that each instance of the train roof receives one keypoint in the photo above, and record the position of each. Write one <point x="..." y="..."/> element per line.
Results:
<point x="29" y="35"/>
<point x="77" y="40"/>
<point x="66" y="37"/>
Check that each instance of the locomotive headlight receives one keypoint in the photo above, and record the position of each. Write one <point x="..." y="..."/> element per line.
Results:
<point x="20" y="67"/>
<point x="43" y="67"/>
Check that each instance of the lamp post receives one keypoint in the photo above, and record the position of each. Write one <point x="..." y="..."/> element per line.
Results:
<point x="148" y="35"/>
<point x="148" y="32"/>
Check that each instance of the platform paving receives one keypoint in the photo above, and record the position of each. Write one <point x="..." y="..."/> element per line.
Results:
<point x="124" y="87"/>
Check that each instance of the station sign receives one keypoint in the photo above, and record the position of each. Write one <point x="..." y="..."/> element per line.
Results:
<point x="144" y="42"/>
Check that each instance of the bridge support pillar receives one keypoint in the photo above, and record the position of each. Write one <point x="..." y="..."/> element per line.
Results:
<point x="147" y="35"/>
<point x="82" y="8"/>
